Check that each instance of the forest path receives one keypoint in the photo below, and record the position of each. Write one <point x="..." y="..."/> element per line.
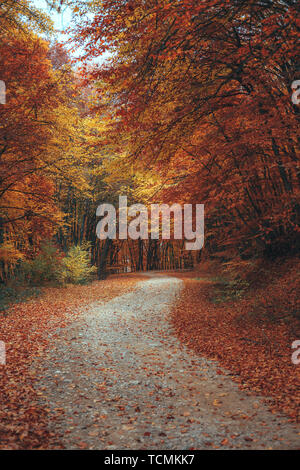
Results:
<point x="118" y="378"/>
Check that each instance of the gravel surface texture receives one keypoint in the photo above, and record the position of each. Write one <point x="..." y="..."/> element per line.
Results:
<point x="118" y="378"/>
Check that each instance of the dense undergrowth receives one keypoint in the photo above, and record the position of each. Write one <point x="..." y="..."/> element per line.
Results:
<point x="49" y="268"/>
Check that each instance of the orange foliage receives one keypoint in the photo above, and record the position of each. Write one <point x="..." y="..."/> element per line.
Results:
<point x="251" y="337"/>
<point x="26" y="329"/>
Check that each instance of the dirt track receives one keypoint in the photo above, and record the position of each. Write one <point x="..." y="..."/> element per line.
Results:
<point x="117" y="378"/>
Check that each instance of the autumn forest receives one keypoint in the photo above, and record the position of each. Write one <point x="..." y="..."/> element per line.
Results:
<point x="166" y="102"/>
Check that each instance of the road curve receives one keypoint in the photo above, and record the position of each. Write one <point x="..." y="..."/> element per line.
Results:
<point x="118" y="378"/>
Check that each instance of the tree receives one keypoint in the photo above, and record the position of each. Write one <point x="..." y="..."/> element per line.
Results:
<point x="41" y="142"/>
<point x="199" y="94"/>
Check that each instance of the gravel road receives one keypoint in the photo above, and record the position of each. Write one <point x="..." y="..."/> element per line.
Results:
<point x="118" y="378"/>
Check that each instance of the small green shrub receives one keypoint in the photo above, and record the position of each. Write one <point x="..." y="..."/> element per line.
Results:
<point x="75" y="267"/>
